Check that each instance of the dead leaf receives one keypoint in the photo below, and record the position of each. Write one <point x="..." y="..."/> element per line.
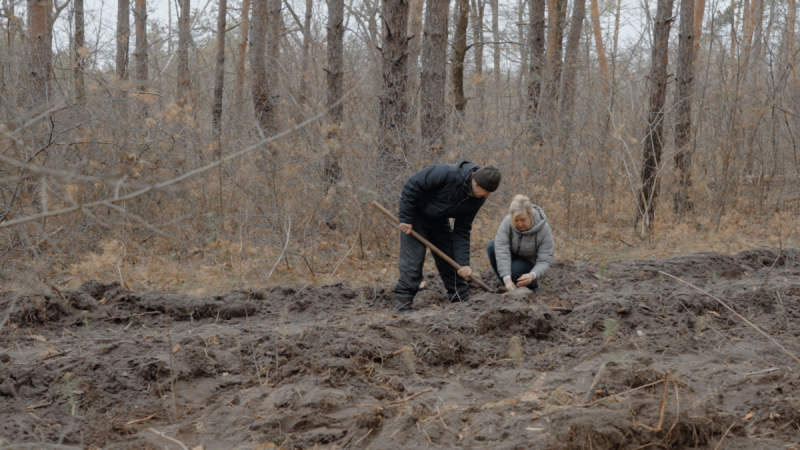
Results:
<point x="176" y="348"/>
<point x="37" y="337"/>
<point x="748" y="416"/>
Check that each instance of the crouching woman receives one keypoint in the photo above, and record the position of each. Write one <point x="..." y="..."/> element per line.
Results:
<point x="522" y="251"/>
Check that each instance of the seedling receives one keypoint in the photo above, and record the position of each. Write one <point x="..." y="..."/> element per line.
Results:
<point x="516" y="350"/>
<point x="191" y="316"/>
<point x="408" y="357"/>
<point x="284" y="314"/>
<point x="362" y="302"/>
<point x="602" y="273"/>
<point x="714" y="276"/>
<point x="610" y="330"/>
<point x="69" y="393"/>
<point x="701" y="324"/>
<point x="661" y="278"/>
<point x="86" y="322"/>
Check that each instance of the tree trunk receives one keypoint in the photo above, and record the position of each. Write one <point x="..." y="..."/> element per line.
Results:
<point x="40" y="53"/>
<point x="80" y="51"/>
<point x="683" y="107"/>
<point x="140" y="53"/>
<point x="261" y="89"/>
<point x="477" y="48"/>
<point x="788" y="41"/>
<point x="219" y="77"/>
<point x="537" y="54"/>
<point x="393" y="104"/>
<point x="332" y="170"/>
<point x="123" y="38"/>
<point x="571" y="60"/>
<point x="523" y="58"/>
<point x="653" y="143"/>
<point x="416" y="9"/>
<point x="184" y="79"/>
<point x="599" y="47"/>
<point x="495" y="5"/>
<point x="699" y="10"/>
<point x="306" y="53"/>
<point x="555" y="42"/>
<point x="432" y="81"/>
<point x="240" y="73"/>
<point x="459" y="52"/>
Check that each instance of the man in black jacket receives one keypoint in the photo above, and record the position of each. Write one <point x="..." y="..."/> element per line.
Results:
<point x="430" y="198"/>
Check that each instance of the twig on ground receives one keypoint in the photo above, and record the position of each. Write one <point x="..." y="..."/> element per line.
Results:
<point x="499" y="361"/>
<point x="590" y="393"/>
<point x="723" y="436"/>
<point x="133" y="422"/>
<point x="412" y="397"/>
<point x="288" y="236"/>
<point x="662" y="409"/>
<point x="677" y="408"/>
<point x="742" y="318"/>
<point x="762" y="371"/>
<point x="362" y="438"/>
<point x="164" y="436"/>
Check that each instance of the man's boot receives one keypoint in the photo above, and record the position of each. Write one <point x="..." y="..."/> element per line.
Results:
<point x="402" y="304"/>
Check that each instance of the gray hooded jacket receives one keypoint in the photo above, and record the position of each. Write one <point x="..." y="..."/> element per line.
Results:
<point x="535" y="244"/>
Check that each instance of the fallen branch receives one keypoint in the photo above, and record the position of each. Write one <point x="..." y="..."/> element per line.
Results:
<point x="164" y="436"/>
<point x="133" y="422"/>
<point x="590" y="393"/>
<point x="663" y="406"/>
<point x="742" y="318"/>
<point x="412" y="397"/>
<point x="723" y="436"/>
<point x="498" y="361"/>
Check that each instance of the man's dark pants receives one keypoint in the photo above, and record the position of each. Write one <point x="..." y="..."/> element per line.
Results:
<point x="519" y="267"/>
<point x="412" y="259"/>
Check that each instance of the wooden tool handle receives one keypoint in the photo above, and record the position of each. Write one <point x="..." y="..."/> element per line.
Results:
<point x="433" y="248"/>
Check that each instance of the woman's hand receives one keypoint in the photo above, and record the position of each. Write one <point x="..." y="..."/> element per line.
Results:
<point x="526" y="279"/>
<point x="465" y="272"/>
<point x="510" y="285"/>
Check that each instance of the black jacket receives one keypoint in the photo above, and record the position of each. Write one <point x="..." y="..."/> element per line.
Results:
<point x="440" y="192"/>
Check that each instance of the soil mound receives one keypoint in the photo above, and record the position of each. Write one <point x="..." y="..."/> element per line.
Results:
<point x="614" y="355"/>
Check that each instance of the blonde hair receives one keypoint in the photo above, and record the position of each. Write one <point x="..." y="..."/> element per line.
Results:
<point x="521" y="204"/>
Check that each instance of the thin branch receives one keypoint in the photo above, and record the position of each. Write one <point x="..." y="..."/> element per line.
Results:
<point x="164" y="436"/>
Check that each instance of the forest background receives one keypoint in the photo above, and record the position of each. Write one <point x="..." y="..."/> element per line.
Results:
<point x="239" y="144"/>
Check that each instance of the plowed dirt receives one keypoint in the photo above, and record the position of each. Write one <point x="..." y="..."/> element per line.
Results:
<point x="329" y="367"/>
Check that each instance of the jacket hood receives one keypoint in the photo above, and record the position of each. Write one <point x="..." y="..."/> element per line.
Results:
<point x="465" y="169"/>
<point x="539" y="220"/>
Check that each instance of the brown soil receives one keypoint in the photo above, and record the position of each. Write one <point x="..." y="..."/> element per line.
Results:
<point x="329" y="367"/>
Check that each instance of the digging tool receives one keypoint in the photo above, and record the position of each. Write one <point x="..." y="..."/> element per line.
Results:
<point x="433" y="248"/>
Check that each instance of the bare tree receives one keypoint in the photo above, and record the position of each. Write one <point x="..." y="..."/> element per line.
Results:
<point x="477" y="44"/>
<point x="219" y="77"/>
<point x="332" y="170"/>
<point x="40" y="53"/>
<point x="393" y="103"/>
<point x="683" y="107"/>
<point x="557" y="12"/>
<point x="599" y="47"/>
<point x="653" y="141"/>
<point x="140" y="52"/>
<point x="699" y="10"/>
<point x="238" y="93"/>
<point x="495" y="5"/>
<point x="571" y="60"/>
<point x="415" y="12"/>
<point x="79" y="49"/>
<point x="263" y="102"/>
<point x="184" y="35"/>
<point x="306" y="52"/>
<point x="537" y="54"/>
<point x="432" y="86"/>
<point x="123" y="38"/>
<point x="461" y="15"/>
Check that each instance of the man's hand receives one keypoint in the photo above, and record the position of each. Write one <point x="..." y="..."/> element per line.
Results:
<point x="526" y="279"/>
<point x="405" y="228"/>
<point x="510" y="286"/>
<point x="465" y="272"/>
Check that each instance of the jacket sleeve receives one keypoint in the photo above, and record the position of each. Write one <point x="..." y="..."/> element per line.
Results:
<point x="462" y="229"/>
<point x="427" y="179"/>
<point x="544" y="254"/>
<point x="502" y="248"/>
